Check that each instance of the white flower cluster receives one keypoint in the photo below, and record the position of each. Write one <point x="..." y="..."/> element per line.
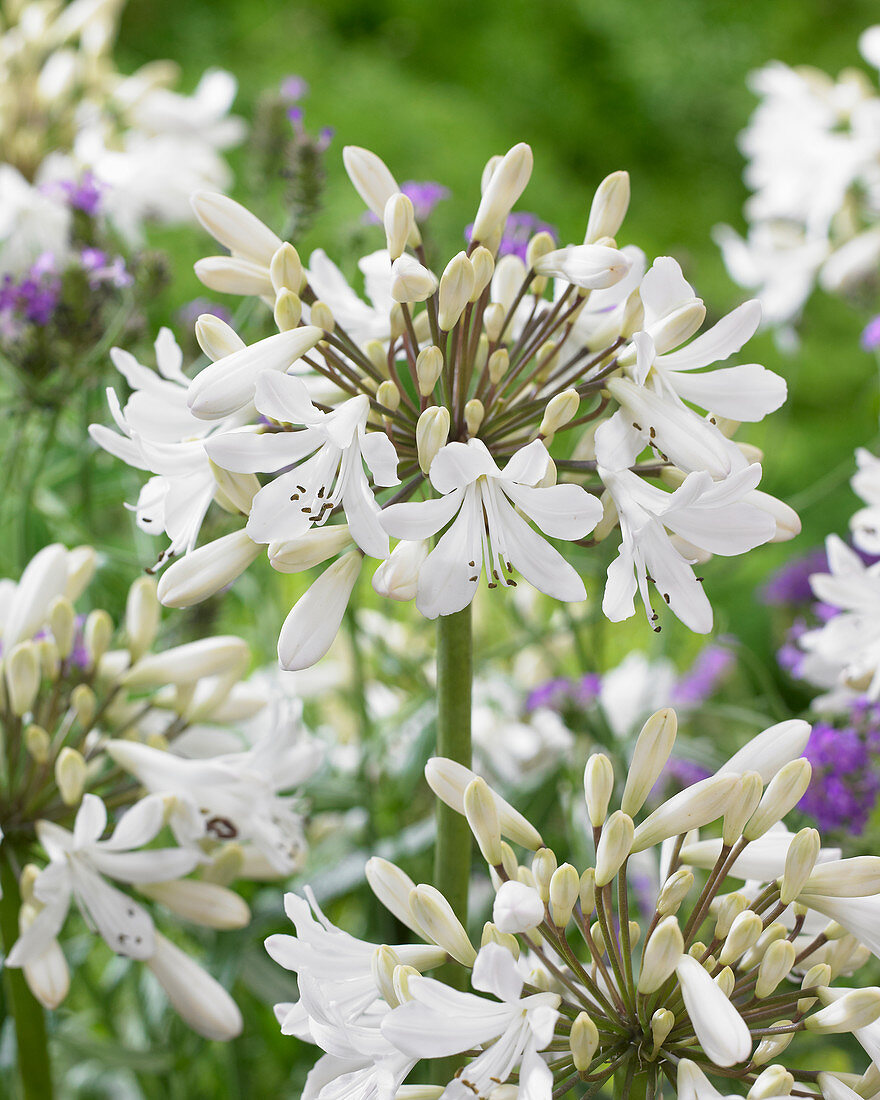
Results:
<point x="568" y="987"/>
<point x="67" y="116"/>
<point x="80" y="719"/>
<point x="813" y="149"/>
<point x="453" y="388"/>
<point x="843" y="655"/>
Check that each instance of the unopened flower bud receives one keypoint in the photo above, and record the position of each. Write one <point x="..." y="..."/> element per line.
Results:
<point x="691" y="808"/>
<point x="725" y="979"/>
<point x="543" y="866"/>
<point x="855" y="1009"/>
<point x="482" y="816"/>
<point x="584" y="1041"/>
<point x="484" y="267"/>
<point x="506" y="182"/>
<point x="740" y="809"/>
<point x="50" y="659"/>
<point x="432" y="431"/>
<point x="493" y="321"/>
<point x="436" y="918"/>
<point x="598" y="938"/>
<point x="652" y="750"/>
<point x="376" y="353"/>
<point x="97" y="634"/>
<point x="70" y="775"/>
<point x="662" y="1022"/>
<point x="22" y="668"/>
<point x="402" y="975"/>
<point x="816" y="977"/>
<point x="614" y="846"/>
<point x="373" y="182"/>
<point x="38" y="743"/>
<point x="449" y="779"/>
<point x="84" y="704"/>
<point x="207" y="569"/>
<point x="286" y="269"/>
<point x="799" y="862"/>
<point x="608" y="208"/>
<point x="216" y="338"/>
<point x="492" y="934"/>
<point x="203" y="903"/>
<point x="498" y="364"/>
<point x="456" y="288"/>
<point x="429" y="367"/>
<point x="308" y="549"/>
<point x="398" y="576"/>
<point x="661" y="954"/>
<point x="538" y="246"/>
<point x="598" y="787"/>
<point x="474" y="412"/>
<point x="518" y="907"/>
<point x="411" y="281"/>
<point x="677" y="326"/>
<point x="772" y="1046"/>
<point x="564" y="890"/>
<point x="589" y="266"/>
<point x="772" y="933"/>
<point x="509" y="860"/>
<point x="393" y="888"/>
<point x="587" y="892"/>
<point x="727" y="910"/>
<point x="857" y="877"/>
<point x="321" y="315"/>
<point x="774" y="1081"/>
<point x="288" y="309"/>
<point x="674" y="890"/>
<point x="226" y="866"/>
<point x="399" y="220"/>
<point x="783" y="793"/>
<point x="776" y="964"/>
<point x="184" y="664"/>
<point x="62" y="623"/>
<point x="383" y="964"/>
<point x="388" y="395"/>
<point x="141" y="616"/>
<point x="560" y="409"/>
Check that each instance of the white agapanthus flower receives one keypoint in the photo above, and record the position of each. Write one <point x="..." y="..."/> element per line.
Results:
<point x="813" y="152"/>
<point x="458" y="382"/>
<point x="708" y="990"/>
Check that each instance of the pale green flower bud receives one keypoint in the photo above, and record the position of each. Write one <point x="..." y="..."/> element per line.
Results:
<point x="204" y="571"/>
<point x="598" y="938"/>
<point x="22" y="668"/>
<point x="725" y="979"/>
<point x="560" y="409"/>
<point x="287" y="310"/>
<point x="774" y="1081"/>
<point x="799" y="862"/>
<point x="84" y="704"/>
<point x="435" y="917"/>
<point x="816" y="977"/>
<point x="855" y="1009"/>
<point x="538" y="246"/>
<point x="633" y="315"/>
<point x="609" y="207"/>
<point x="402" y="975"/>
<point x="652" y="750"/>
<point x="725" y="910"/>
<point x="507" y="940"/>
<point x="97" y="634"/>
<point x="393" y="888"/>
<point x="216" y="338"/>
<point x="142" y="616"/>
<point x="857" y="877"/>
<point x="598" y="787"/>
<point x="309" y="549"/>
<point x="397" y="578"/>
<point x="226" y="866"/>
<point x="776" y="964"/>
<point x="584" y="1041"/>
<point x="543" y="867"/>
<point x="70" y="775"/>
<point x="286" y="269"/>
<point x="783" y="793"/>
<point x="674" y="890"/>
<point x="429" y="367"/>
<point x="203" y="903"/>
<point x="508" y="860"/>
<point x="456" y="287"/>
<point x="383" y="964"/>
<point x="234" y="275"/>
<point x="482" y="816"/>
<point x="321" y="315"/>
<point x="62" y="623"/>
<point x="484" y="267"/>
<point x="432" y="432"/>
<point x="388" y="395"/>
<point x="505" y="183"/>
<point x="691" y="808"/>
<point x="38" y="743"/>
<point x="411" y="281"/>
<point x="772" y="1045"/>
<point x="396" y="319"/>
<point x="399" y="220"/>
<point x="564" y="890"/>
<point x="662" y="1022"/>
<point x="614" y="846"/>
<point x="661" y="954"/>
<point x="739" y="810"/>
<point x="744" y="933"/>
<point x="375" y="352"/>
<point x="772" y="933"/>
<point x="499" y="362"/>
<point x="50" y="659"/>
<point x="493" y="321"/>
<point x="474" y="412"/>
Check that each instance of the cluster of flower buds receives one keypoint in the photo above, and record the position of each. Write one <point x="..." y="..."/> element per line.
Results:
<point x="750" y="929"/>
<point x="813" y="156"/>
<point x="453" y="387"/>
<point x="97" y="723"/>
<point x="76" y="133"/>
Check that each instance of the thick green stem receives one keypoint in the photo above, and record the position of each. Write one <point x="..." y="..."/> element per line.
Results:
<point x="452" y="859"/>
<point x="34" y="1071"/>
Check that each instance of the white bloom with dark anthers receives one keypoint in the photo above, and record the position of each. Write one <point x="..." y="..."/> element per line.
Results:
<point x="233" y="796"/>
<point x="705" y="515"/>
<point x="845" y="651"/>
<point x="584" y="1013"/>
<point x="158" y="433"/>
<point x="323" y="464"/>
<point x="79" y="862"/>
<point x="487" y="532"/>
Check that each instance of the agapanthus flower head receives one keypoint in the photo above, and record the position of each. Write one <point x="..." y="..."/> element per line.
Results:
<point x="87" y="708"/>
<point x="572" y="984"/>
<point x="430" y="412"/>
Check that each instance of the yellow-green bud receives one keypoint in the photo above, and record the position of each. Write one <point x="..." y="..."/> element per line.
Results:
<point x="375" y="352"/>
<point x="456" y="288"/>
<point x="674" y="890"/>
<point x="482" y="816"/>
<point x="773" y="1045"/>
<point x="614" y="846"/>
<point x="388" y="395"/>
<point x="652" y="749"/>
<point x="560" y="409"/>
<point x="539" y="246"/>
<point x="322" y="317"/>
<point x="774" y="1081"/>
<point x="288" y="309"/>
<point x="507" y="940"/>
<point x="661" y="954"/>
<point x="739" y="810"/>
<point x="141" y="616"/>
<point x="432" y="431"/>
<point x="484" y="266"/>
<point x="598" y="786"/>
<point x="744" y="933"/>
<point x="662" y="1022"/>
<point x="856" y="1009"/>
<point x="286" y="269"/>
<point x="587" y="891"/>
<point x="70" y="775"/>
<point x="776" y="964"/>
<point x="22" y="668"/>
<point x="84" y="704"/>
<point x="97" y="634"/>
<point x="584" y="1041"/>
<point x="62" y="623"/>
<point x="799" y="863"/>
<point x="493" y="320"/>
<point x="725" y="979"/>
<point x="473" y="415"/>
<point x="436" y="918"/>
<point x="725" y="910"/>
<point x="429" y="367"/>
<point x="38" y="743"/>
<point x="564" y="890"/>
<point x="609" y="207"/>
<point x="399" y="219"/>
<point x="783" y="793"/>
<point x="50" y="659"/>
<point x="543" y="866"/>
<point x="499" y="361"/>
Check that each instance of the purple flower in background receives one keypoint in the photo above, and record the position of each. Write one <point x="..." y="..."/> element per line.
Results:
<point x="189" y="313"/>
<point x="701" y="680"/>
<point x="518" y="231"/>
<point x="101" y="269"/>
<point x="423" y="195"/>
<point x="678" y="774"/>
<point x="293" y="88"/>
<point x="791" y="583"/>
<point x="35" y="297"/>
<point x="870" y="340"/>
<point x="554" y="694"/>
<point x="846" y="781"/>
<point x="588" y="688"/>
<point x="82" y="194"/>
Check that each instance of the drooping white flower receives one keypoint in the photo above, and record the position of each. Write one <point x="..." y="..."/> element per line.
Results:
<point x="486" y="530"/>
<point x="865" y="524"/>
<point x="323" y="465"/>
